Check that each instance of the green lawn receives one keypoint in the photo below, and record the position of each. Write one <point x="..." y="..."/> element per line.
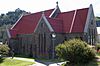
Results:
<point x="98" y="54"/>
<point x="14" y="62"/>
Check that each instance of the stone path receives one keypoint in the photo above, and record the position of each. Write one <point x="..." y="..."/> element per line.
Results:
<point x="39" y="63"/>
<point x="98" y="60"/>
<point x="47" y="64"/>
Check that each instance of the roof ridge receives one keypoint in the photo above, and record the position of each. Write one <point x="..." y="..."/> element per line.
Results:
<point x="72" y="10"/>
<point x="38" y="12"/>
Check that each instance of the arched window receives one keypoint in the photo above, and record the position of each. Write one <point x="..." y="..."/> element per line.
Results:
<point x="42" y="25"/>
<point x="91" y="21"/>
<point x="89" y="36"/>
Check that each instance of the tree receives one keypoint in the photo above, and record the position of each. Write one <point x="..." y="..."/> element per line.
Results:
<point x="97" y="18"/>
<point x="4" y="49"/>
<point x="7" y="20"/>
<point x="11" y="17"/>
<point x="75" y="51"/>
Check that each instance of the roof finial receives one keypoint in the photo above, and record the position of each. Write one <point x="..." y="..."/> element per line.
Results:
<point x="42" y="13"/>
<point x="91" y="5"/>
<point x="57" y="3"/>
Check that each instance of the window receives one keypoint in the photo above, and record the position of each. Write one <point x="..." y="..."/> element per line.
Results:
<point x="44" y="49"/>
<point x="89" y="36"/>
<point x="92" y="22"/>
<point x="42" y="25"/>
<point x="42" y="43"/>
<point x="39" y="43"/>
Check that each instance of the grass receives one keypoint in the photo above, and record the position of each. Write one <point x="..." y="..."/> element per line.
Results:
<point x="23" y="56"/>
<point x="14" y="62"/>
<point x="98" y="54"/>
<point x="50" y="60"/>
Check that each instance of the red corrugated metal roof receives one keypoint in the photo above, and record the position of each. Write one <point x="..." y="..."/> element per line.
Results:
<point x="67" y="18"/>
<point x="56" y="24"/>
<point x="80" y="20"/>
<point x="13" y="33"/>
<point x="27" y="23"/>
<point x="66" y="22"/>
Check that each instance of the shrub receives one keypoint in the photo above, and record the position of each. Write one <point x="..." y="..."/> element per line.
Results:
<point x="4" y="49"/>
<point x="97" y="47"/>
<point x="75" y="51"/>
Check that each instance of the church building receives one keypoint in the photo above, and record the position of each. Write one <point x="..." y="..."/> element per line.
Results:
<point x="37" y="34"/>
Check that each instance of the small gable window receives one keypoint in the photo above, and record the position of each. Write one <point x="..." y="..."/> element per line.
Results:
<point x="42" y="25"/>
<point x="92" y="22"/>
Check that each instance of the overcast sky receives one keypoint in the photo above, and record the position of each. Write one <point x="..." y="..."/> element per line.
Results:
<point x="40" y="5"/>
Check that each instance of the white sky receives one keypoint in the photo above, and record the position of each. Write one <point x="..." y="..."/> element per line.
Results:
<point x="40" y="5"/>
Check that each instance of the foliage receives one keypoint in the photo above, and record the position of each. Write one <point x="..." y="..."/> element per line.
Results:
<point x="7" y="20"/>
<point x="4" y="49"/>
<point x="97" y="18"/>
<point x="93" y="63"/>
<point x="11" y="17"/>
<point x="97" y="47"/>
<point x="14" y="62"/>
<point x="75" y="51"/>
<point x="1" y="60"/>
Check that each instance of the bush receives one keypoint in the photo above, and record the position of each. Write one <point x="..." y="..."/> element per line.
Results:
<point x="97" y="47"/>
<point x="75" y="51"/>
<point x="4" y="49"/>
